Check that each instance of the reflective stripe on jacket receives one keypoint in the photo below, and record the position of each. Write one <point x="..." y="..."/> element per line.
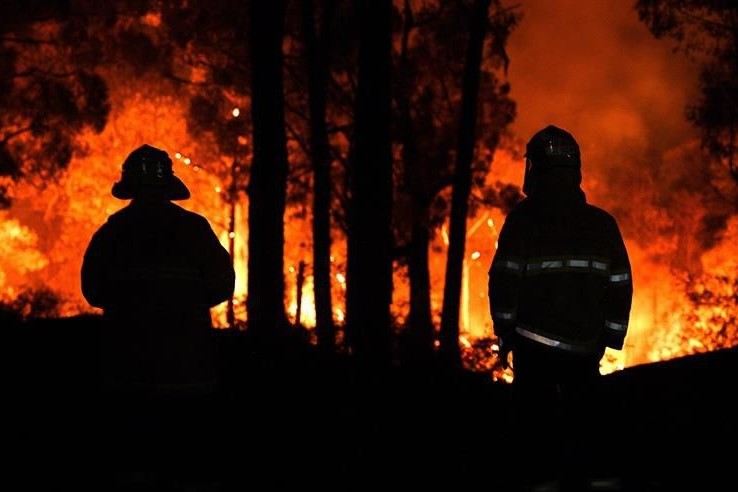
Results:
<point x="561" y="276"/>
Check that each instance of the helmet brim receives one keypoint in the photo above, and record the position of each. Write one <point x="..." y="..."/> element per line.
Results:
<point x="172" y="189"/>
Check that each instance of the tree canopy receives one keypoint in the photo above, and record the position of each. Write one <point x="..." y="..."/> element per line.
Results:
<point x="708" y="31"/>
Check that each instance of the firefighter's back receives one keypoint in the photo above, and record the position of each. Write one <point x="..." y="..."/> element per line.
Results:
<point x="159" y="321"/>
<point x="567" y="269"/>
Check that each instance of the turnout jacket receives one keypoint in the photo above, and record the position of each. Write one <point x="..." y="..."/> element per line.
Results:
<point x="561" y="277"/>
<point x="155" y="269"/>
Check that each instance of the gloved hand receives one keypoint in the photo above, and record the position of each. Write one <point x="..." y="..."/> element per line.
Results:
<point x="505" y="349"/>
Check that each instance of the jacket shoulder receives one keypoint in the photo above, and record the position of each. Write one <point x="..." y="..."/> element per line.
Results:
<point x="189" y="216"/>
<point x="119" y="215"/>
<point x="523" y="209"/>
<point x="115" y="221"/>
<point x="600" y="214"/>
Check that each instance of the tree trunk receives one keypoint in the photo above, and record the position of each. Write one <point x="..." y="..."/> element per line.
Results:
<point x="317" y="52"/>
<point x="419" y="330"/>
<point x="462" y="185"/>
<point x="419" y="319"/>
<point x="268" y="179"/>
<point x="369" y="272"/>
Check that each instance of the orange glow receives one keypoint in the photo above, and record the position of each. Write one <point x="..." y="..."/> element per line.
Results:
<point x="21" y="244"/>
<point x="152" y="19"/>
<point x="81" y="201"/>
<point x="45" y="233"/>
<point x="307" y="306"/>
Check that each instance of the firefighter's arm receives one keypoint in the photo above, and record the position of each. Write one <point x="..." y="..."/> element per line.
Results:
<point x="618" y="293"/>
<point x="216" y="267"/>
<point x="95" y="269"/>
<point x="505" y="280"/>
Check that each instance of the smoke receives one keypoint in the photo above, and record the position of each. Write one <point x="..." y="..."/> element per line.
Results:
<point x="595" y="70"/>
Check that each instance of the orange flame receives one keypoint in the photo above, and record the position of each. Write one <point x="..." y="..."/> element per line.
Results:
<point x="46" y="232"/>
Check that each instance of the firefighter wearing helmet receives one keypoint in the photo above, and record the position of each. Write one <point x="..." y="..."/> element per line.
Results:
<point x="156" y="269"/>
<point x="560" y="289"/>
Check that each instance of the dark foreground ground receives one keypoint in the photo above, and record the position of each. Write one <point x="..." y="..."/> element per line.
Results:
<point x="293" y="420"/>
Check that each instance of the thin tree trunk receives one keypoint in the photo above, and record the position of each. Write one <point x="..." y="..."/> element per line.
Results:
<point x="317" y="53"/>
<point x="268" y="179"/>
<point x="419" y="336"/>
<point x="419" y="319"/>
<point x="462" y="185"/>
<point x="369" y="272"/>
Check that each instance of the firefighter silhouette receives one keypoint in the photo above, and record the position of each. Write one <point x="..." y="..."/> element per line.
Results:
<point x="560" y="291"/>
<point x="156" y="269"/>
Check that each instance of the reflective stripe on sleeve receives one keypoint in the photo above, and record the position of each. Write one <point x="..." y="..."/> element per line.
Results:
<point x="551" y="264"/>
<point x="619" y="278"/>
<point x="544" y="265"/>
<point x="618" y="326"/>
<point x="506" y="315"/>
<point x="577" y="263"/>
<point x="514" y="266"/>
<point x="599" y="265"/>
<point x="552" y="342"/>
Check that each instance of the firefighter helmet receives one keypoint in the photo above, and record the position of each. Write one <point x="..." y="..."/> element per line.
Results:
<point x="552" y="147"/>
<point x="149" y="168"/>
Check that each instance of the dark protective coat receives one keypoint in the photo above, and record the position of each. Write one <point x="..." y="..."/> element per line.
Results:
<point x="560" y="290"/>
<point x="561" y="278"/>
<point x="155" y="269"/>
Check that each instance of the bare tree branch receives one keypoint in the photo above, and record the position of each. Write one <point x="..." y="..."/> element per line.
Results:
<point x="702" y="20"/>
<point x="9" y="136"/>
<point x="295" y="135"/>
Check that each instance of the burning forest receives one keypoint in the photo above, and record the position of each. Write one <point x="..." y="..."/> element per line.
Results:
<point x="83" y="84"/>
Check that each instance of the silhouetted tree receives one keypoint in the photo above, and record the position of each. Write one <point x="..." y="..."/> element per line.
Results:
<point x="317" y="51"/>
<point x="50" y="89"/>
<point x="429" y="82"/>
<point x="210" y="42"/>
<point x="449" y="336"/>
<point x="707" y="30"/>
<point x="268" y="179"/>
<point x="213" y="58"/>
<point x="419" y="330"/>
<point x="369" y="273"/>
